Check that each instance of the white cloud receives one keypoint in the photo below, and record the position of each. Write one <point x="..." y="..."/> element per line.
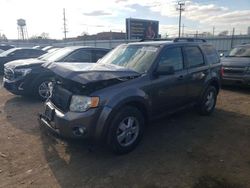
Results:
<point x="46" y="16"/>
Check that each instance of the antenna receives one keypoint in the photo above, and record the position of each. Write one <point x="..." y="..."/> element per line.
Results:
<point x="180" y="8"/>
<point x="64" y="24"/>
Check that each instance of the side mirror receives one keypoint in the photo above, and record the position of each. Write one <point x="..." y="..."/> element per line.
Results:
<point x="221" y="54"/>
<point x="164" y="70"/>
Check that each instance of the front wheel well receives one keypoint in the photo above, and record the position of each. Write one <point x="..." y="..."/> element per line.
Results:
<point x="136" y="104"/>
<point x="140" y="106"/>
<point x="216" y="85"/>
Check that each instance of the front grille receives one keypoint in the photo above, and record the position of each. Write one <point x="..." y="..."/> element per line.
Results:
<point x="61" y="98"/>
<point x="9" y="74"/>
<point x="234" y="70"/>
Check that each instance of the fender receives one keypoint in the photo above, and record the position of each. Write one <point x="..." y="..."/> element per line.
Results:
<point x="132" y="96"/>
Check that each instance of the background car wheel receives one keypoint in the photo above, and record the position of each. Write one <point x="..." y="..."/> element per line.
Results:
<point x="208" y="101"/>
<point x="126" y="130"/>
<point x="42" y="90"/>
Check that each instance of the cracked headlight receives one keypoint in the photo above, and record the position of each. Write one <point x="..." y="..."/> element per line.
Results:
<point x="83" y="103"/>
<point x="21" y="72"/>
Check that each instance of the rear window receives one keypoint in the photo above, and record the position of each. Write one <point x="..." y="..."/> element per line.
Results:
<point x="211" y="54"/>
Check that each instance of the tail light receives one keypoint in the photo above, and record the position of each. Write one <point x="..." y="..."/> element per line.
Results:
<point x="222" y="71"/>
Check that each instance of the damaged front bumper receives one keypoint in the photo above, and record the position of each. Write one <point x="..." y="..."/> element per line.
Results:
<point x="73" y="124"/>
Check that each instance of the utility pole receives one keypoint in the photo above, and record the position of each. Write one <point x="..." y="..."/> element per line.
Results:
<point x="182" y="30"/>
<point x="64" y="25"/>
<point x="232" y="39"/>
<point x="213" y="30"/>
<point x="180" y="9"/>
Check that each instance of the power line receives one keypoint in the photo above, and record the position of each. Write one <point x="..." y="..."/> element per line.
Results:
<point x="180" y="9"/>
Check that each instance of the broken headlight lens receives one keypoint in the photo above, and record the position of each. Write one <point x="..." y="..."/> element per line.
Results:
<point x="83" y="103"/>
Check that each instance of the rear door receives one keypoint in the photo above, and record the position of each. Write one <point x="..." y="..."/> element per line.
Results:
<point x="198" y="71"/>
<point x="169" y="91"/>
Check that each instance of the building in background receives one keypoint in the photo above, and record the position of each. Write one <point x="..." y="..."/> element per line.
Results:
<point x="142" y="29"/>
<point x="102" y="36"/>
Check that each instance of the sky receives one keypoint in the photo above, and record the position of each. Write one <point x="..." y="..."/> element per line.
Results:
<point x="84" y="16"/>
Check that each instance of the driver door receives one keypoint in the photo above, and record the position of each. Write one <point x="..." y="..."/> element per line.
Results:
<point x="169" y="91"/>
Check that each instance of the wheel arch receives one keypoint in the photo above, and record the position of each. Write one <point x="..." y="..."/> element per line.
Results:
<point x="136" y="102"/>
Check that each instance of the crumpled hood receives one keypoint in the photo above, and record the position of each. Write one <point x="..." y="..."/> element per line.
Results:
<point x="24" y="63"/>
<point x="89" y="72"/>
<point x="236" y="61"/>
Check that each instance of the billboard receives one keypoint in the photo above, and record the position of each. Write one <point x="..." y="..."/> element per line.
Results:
<point x="141" y="29"/>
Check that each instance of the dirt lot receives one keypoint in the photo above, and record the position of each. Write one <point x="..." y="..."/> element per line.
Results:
<point x="184" y="150"/>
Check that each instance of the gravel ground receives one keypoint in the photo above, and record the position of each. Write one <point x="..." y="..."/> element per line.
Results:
<point x="184" y="150"/>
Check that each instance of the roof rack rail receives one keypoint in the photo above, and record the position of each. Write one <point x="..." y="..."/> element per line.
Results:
<point x="185" y="39"/>
<point x="244" y="43"/>
<point x="155" y="39"/>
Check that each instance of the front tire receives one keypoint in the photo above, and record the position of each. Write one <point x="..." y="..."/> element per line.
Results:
<point x="42" y="90"/>
<point x="126" y="130"/>
<point x="208" y="101"/>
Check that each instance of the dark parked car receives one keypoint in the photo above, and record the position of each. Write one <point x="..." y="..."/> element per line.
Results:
<point x="111" y="101"/>
<point x="26" y="77"/>
<point x="5" y="47"/>
<point x="18" y="53"/>
<point x="236" y="66"/>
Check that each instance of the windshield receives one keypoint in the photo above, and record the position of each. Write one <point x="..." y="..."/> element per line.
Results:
<point x="7" y="52"/>
<point x="135" y="57"/>
<point x="57" y="55"/>
<point x="242" y="51"/>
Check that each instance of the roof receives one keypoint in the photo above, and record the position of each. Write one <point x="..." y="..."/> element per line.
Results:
<point x="179" y="40"/>
<point x="80" y="47"/>
<point x="152" y="42"/>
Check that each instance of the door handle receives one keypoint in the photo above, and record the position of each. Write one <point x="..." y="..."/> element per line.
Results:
<point x="199" y="76"/>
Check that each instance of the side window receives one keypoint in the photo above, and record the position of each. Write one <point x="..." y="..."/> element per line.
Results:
<point x="194" y="56"/>
<point x="79" y="56"/>
<point x="36" y="53"/>
<point x="172" y="57"/>
<point x="211" y="54"/>
<point x="19" y="53"/>
<point x="98" y="54"/>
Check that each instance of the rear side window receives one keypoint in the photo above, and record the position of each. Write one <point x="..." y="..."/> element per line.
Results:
<point x="98" y="54"/>
<point x="194" y="56"/>
<point x="79" y="56"/>
<point x="172" y="57"/>
<point x="35" y="53"/>
<point x="211" y="54"/>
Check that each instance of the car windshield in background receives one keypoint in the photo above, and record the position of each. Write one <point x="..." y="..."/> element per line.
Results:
<point x="135" y="57"/>
<point x="56" y="55"/>
<point x="7" y="52"/>
<point x="243" y="51"/>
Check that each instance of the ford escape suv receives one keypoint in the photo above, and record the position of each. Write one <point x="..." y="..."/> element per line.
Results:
<point x="112" y="101"/>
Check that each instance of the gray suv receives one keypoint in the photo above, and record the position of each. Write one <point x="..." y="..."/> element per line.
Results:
<point x="113" y="100"/>
<point x="236" y="66"/>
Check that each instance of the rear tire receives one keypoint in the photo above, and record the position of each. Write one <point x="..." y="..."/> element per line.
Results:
<point x="208" y="101"/>
<point x="126" y="130"/>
